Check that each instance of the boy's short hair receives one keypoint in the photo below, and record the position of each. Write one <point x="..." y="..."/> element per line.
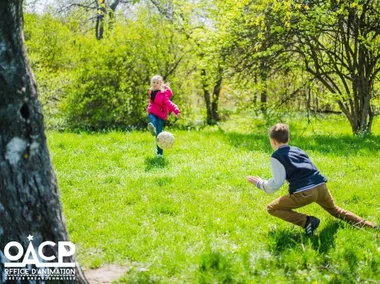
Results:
<point x="279" y="132"/>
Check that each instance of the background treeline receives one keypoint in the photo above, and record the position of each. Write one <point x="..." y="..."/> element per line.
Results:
<point x="221" y="58"/>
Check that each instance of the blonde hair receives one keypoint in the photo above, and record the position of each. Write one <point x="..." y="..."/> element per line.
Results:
<point x="158" y="78"/>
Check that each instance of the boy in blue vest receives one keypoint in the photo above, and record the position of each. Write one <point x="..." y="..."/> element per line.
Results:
<point x="306" y="185"/>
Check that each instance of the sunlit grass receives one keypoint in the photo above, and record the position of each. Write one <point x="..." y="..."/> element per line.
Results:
<point x="192" y="217"/>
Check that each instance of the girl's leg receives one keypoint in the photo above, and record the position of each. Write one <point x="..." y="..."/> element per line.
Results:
<point x="159" y="127"/>
<point x="152" y="125"/>
<point x="156" y="122"/>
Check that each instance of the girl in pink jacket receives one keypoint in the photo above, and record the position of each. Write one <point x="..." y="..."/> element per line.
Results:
<point x="159" y="107"/>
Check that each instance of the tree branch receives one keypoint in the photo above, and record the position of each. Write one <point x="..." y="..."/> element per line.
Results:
<point x="86" y="7"/>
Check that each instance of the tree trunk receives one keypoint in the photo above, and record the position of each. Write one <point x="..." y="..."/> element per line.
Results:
<point x="263" y="91"/>
<point x="101" y="11"/>
<point x="362" y="117"/>
<point x="359" y="112"/>
<point x="29" y="197"/>
<point x="215" y="98"/>
<point x="114" y="5"/>
<point x="111" y="13"/>
<point x="207" y="97"/>
<point x="263" y="100"/>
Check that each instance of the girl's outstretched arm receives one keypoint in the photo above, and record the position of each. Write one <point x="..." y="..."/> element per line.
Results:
<point x="172" y="107"/>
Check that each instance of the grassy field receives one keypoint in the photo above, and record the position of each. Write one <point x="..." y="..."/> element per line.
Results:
<point x="193" y="218"/>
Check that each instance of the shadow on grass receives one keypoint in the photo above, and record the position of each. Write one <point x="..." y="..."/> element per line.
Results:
<point x="155" y="163"/>
<point x="216" y="267"/>
<point x="325" y="240"/>
<point x="282" y="240"/>
<point x="339" y="145"/>
<point x="322" y="242"/>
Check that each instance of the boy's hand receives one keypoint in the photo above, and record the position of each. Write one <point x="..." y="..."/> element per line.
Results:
<point x="253" y="180"/>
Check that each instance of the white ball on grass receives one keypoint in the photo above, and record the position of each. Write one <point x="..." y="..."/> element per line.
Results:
<point x="165" y="140"/>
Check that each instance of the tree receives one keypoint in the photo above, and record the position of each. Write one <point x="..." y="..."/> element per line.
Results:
<point x="337" y="41"/>
<point x="111" y="81"/>
<point x="342" y="50"/>
<point x="101" y="11"/>
<point x="196" y="20"/>
<point x="29" y="196"/>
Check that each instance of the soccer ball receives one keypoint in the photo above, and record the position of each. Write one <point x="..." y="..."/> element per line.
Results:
<point x="165" y="140"/>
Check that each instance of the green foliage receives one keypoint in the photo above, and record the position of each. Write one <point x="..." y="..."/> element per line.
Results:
<point x="104" y="84"/>
<point x="49" y="43"/>
<point x="337" y="43"/>
<point x="111" y="88"/>
<point x="103" y="94"/>
<point x="193" y="218"/>
<point x="52" y="55"/>
<point x="245" y="51"/>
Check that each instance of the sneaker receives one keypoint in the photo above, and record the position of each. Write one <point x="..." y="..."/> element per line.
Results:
<point x="160" y="156"/>
<point x="312" y="224"/>
<point x="152" y="129"/>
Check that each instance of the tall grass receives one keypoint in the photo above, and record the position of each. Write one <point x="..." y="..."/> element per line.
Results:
<point x="193" y="218"/>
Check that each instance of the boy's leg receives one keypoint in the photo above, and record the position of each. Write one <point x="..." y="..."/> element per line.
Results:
<point x="326" y="201"/>
<point x="159" y="128"/>
<point x="282" y="207"/>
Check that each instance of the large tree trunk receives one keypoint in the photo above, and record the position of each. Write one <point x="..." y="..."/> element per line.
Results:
<point x="362" y="114"/>
<point x="361" y="120"/>
<point x="29" y="197"/>
<point x="358" y="109"/>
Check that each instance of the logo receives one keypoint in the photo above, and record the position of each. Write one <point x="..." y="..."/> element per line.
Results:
<point x="46" y="267"/>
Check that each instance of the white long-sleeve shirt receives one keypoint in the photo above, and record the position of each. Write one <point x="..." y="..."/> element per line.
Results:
<point x="277" y="179"/>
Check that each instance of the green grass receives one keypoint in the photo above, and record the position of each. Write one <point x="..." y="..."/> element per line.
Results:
<point x="193" y="218"/>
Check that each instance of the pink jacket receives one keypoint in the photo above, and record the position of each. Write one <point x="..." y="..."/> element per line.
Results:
<point x="162" y="105"/>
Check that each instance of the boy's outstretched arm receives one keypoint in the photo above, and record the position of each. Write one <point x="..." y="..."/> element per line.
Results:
<point x="275" y="182"/>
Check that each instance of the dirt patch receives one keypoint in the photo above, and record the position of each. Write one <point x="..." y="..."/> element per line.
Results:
<point x="105" y="274"/>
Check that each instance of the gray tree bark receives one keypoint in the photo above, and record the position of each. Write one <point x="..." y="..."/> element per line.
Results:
<point x="29" y="196"/>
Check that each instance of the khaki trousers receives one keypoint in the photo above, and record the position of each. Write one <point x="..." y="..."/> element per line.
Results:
<point x="283" y="207"/>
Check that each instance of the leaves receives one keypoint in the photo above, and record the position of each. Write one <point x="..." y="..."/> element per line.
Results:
<point x="205" y="46"/>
